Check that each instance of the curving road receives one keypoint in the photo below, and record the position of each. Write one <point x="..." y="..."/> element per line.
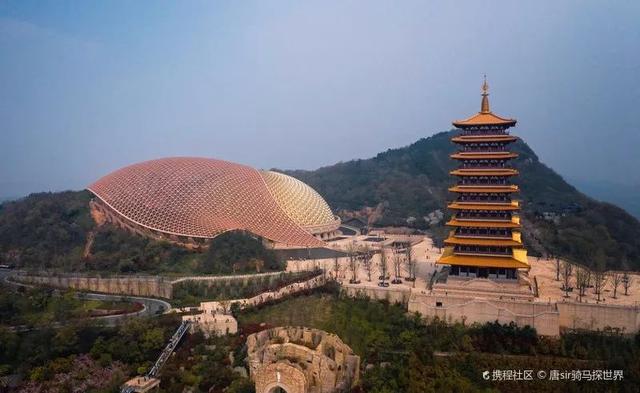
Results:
<point x="151" y="306"/>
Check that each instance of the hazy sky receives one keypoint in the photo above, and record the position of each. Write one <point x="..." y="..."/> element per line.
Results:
<point x="88" y="87"/>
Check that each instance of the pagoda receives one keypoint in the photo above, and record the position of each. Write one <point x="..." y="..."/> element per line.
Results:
<point x="485" y="240"/>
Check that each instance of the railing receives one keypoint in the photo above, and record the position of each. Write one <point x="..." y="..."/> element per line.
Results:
<point x="484" y="166"/>
<point x="490" y="181"/>
<point x="491" y="236"/>
<point x="166" y="352"/>
<point x="483" y="252"/>
<point x="482" y="150"/>
<point x="485" y="130"/>
<point x="474" y="217"/>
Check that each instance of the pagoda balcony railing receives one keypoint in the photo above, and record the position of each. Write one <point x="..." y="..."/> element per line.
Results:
<point x="486" y="253"/>
<point x="466" y="199"/>
<point x="483" y="218"/>
<point x="482" y="149"/>
<point x="485" y="235"/>
<point x="487" y="201"/>
<point x="484" y="131"/>
<point x="497" y="165"/>
<point x="467" y="182"/>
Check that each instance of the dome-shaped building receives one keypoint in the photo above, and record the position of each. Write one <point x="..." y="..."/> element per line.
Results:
<point x="190" y="200"/>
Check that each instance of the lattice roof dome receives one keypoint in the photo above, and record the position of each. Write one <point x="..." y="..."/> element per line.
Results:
<point x="202" y="198"/>
<point x="303" y="204"/>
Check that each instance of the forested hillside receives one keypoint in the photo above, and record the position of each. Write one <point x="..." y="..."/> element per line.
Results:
<point x="412" y="182"/>
<point x="50" y="231"/>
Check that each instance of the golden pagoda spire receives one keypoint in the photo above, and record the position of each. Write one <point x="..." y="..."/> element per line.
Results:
<point x="484" y="107"/>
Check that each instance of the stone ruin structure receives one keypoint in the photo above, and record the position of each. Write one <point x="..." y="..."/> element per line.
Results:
<point x="300" y="360"/>
<point x="216" y="324"/>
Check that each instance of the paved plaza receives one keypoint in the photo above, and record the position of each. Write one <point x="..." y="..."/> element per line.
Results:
<point x="426" y="254"/>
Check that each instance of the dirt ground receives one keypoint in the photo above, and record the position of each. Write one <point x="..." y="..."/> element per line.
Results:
<point x="426" y="254"/>
<point x="551" y="290"/>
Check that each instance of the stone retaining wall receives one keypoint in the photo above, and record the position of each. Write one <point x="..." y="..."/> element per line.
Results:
<point x="392" y="294"/>
<point x="547" y="318"/>
<point x="147" y="286"/>
<point x="217" y="307"/>
<point x="543" y="317"/>
<point x="592" y="316"/>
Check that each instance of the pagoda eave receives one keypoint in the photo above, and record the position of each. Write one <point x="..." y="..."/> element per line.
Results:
<point x="482" y="224"/>
<point x="485" y="189"/>
<point x="484" y="119"/>
<point x="484" y="206"/>
<point x="483" y="156"/>
<point x="483" y="242"/>
<point x="484" y="172"/>
<point x="483" y="261"/>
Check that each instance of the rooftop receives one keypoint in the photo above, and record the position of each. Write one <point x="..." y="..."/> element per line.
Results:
<point x="485" y="117"/>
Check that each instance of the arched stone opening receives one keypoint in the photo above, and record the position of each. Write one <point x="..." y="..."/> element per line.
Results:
<point x="278" y="389"/>
<point x="280" y="377"/>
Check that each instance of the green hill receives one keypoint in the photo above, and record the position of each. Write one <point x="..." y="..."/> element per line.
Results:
<point x="412" y="181"/>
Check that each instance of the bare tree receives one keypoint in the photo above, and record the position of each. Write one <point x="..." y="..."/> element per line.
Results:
<point x="383" y="268"/>
<point x="367" y="260"/>
<point x="354" y="261"/>
<point x="626" y="282"/>
<point x="566" y="270"/>
<point x="411" y="262"/>
<point x="599" y="280"/>
<point x="557" y="269"/>
<point x="616" y="280"/>
<point x="336" y="266"/>
<point x="397" y="260"/>
<point x="583" y="278"/>
<point x="225" y="304"/>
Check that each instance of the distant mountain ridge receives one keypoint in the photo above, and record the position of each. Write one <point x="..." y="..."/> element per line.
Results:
<point x="412" y="182"/>
<point x="623" y="195"/>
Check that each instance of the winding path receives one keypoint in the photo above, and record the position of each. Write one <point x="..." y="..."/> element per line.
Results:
<point x="151" y="306"/>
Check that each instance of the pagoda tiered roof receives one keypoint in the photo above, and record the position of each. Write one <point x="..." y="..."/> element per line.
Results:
<point x="485" y="189"/>
<point x="516" y="260"/>
<point x="514" y="222"/>
<point x="489" y="155"/>
<point x="484" y="172"/>
<point x="482" y="242"/>
<point x="485" y="117"/>
<point x="513" y="205"/>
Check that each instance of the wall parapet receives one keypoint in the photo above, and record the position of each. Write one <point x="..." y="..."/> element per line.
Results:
<point x="547" y="318"/>
<point x="541" y="316"/>
<point x="146" y="286"/>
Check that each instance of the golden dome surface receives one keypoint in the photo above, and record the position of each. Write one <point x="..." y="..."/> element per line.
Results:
<point x="301" y="202"/>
